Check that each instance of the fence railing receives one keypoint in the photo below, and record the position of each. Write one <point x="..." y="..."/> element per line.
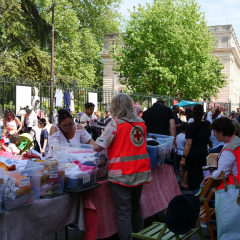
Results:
<point x="8" y="96"/>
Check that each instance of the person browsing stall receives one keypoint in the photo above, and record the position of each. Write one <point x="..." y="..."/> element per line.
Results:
<point x="129" y="163"/>
<point x="195" y="150"/>
<point x="211" y="116"/>
<point x="12" y="148"/>
<point x="229" y="157"/>
<point x="176" y="110"/>
<point x="88" y="115"/>
<point x="159" y="119"/>
<point x="66" y="131"/>
<point x="11" y="122"/>
<point x="180" y="144"/>
<point x="44" y="137"/>
<point x="31" y="122"/>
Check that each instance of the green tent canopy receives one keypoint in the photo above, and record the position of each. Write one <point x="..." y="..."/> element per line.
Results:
<point x="187" y="104"/>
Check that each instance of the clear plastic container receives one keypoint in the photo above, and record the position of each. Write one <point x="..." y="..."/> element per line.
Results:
<point x="74" y="153"/>
<point x="81" y="180"/>
<point x="77" y="145"/>
<point x="2" y="171"/>
<point x="156" y="154"/>
<point x="52" y="176"/>
<point x="152" y="152"/>
<point x="163" y="138"/>
<point x="23" y="187"/>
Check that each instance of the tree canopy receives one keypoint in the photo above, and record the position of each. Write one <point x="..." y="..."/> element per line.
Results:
<point x="168" y="50"/>
<point x="25" y="38"/>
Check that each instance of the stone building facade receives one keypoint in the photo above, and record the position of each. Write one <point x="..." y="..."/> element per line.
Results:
<point x="228" y="50"/>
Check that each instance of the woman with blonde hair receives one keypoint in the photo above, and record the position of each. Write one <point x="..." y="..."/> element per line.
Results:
<point x="129" y="163"/>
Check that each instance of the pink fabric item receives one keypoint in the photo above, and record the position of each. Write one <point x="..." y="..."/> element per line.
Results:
<point x="84" y="151"/>
<point x="7" y="154"/>
<point x="77" y="163"/>
<point x="86" y="168"/>
<point x="155" y="198"/>
<point x="91" y="218"/>
<point x="82" y="167"/>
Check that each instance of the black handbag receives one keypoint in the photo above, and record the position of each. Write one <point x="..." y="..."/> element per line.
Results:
<point x="94" y="131"/>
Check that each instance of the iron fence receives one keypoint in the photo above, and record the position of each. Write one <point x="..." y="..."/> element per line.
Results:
<point x="8" y="96"/>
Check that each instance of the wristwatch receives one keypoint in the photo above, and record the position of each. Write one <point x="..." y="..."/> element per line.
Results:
<point x="183" y="156"/>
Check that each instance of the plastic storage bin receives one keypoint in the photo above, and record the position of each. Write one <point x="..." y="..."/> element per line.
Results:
<point x="81" y="180"/>
<point x="164" y="139"/>
<point x="2" y="171"/>
<point x="52" y="176"/>
<point x="156" y="154"/>
<point x="21" y="187"/>
<point x="76" y="145"/>
<point x="168" y="139"/>
<point x="70" y="154"/>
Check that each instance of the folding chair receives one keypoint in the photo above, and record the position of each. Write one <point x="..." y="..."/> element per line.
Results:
<point x="205" y="194"/>
<point x="159" y="231"/>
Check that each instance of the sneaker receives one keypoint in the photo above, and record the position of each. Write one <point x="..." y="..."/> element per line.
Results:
<point x="72" y="226"/>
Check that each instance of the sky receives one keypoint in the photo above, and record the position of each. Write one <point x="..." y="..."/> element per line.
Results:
<point x="217" y="12"/>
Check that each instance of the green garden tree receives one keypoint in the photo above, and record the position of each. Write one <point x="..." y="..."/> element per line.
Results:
<point x="167" y="51"/>
<point x="25" y="38"/>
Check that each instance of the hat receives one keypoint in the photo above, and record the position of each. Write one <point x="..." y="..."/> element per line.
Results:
<point x="22" y="111"/>
<point x="80" y="114"/>
<point x="182" y="213"/>
<point x="188" y="110"/>
<point x="107" y="109"/>
<point x="138" y="108"/>
<point x="214" y="110"/>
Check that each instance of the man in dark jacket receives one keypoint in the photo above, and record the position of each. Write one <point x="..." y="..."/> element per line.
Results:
<point x="159" y="119"/>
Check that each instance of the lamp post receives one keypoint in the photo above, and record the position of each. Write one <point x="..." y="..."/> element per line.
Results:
<point x="52" y="62"/>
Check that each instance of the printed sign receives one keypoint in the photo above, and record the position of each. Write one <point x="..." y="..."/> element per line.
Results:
<point x="54" y="168"/>
<point x="24" y="182"/>
<point x="86" y="179"/>
<point x="53" y="175"/>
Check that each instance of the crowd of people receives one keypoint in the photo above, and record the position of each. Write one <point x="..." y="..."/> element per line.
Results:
<point x="125" y="137"/>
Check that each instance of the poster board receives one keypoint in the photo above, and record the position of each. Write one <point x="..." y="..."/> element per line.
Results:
<point x="205" y="107"/>
<point x="23" y="96"/>
<point x="93" y="98"/>
<point x="154" y="100"/>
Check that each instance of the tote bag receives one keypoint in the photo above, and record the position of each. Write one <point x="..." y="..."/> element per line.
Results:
<point x="227" y="210"/>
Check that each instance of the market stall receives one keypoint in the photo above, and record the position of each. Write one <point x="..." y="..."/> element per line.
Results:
<point x="93" y="211"/>
<point x="73" y="173"/>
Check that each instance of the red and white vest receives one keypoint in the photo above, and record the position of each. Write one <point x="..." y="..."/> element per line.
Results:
<point x="129" y="163"/>
<point x="234" y="147"/>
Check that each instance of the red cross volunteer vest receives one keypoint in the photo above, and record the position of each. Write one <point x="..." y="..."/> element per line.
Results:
<point x="129" y="163"/>
<point x="234" y="147"/>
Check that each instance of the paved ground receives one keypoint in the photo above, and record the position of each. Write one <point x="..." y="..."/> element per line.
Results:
<point x="78" y="234"/>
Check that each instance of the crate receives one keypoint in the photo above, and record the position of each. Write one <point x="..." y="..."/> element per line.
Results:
<point x="156" y="154"/>
<point x="52" y="176"/>
<point x="81" y="180"/>
<point x="85" y="153"/>
<point x="26" y="188"/>
<point x="163" y="138"/>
